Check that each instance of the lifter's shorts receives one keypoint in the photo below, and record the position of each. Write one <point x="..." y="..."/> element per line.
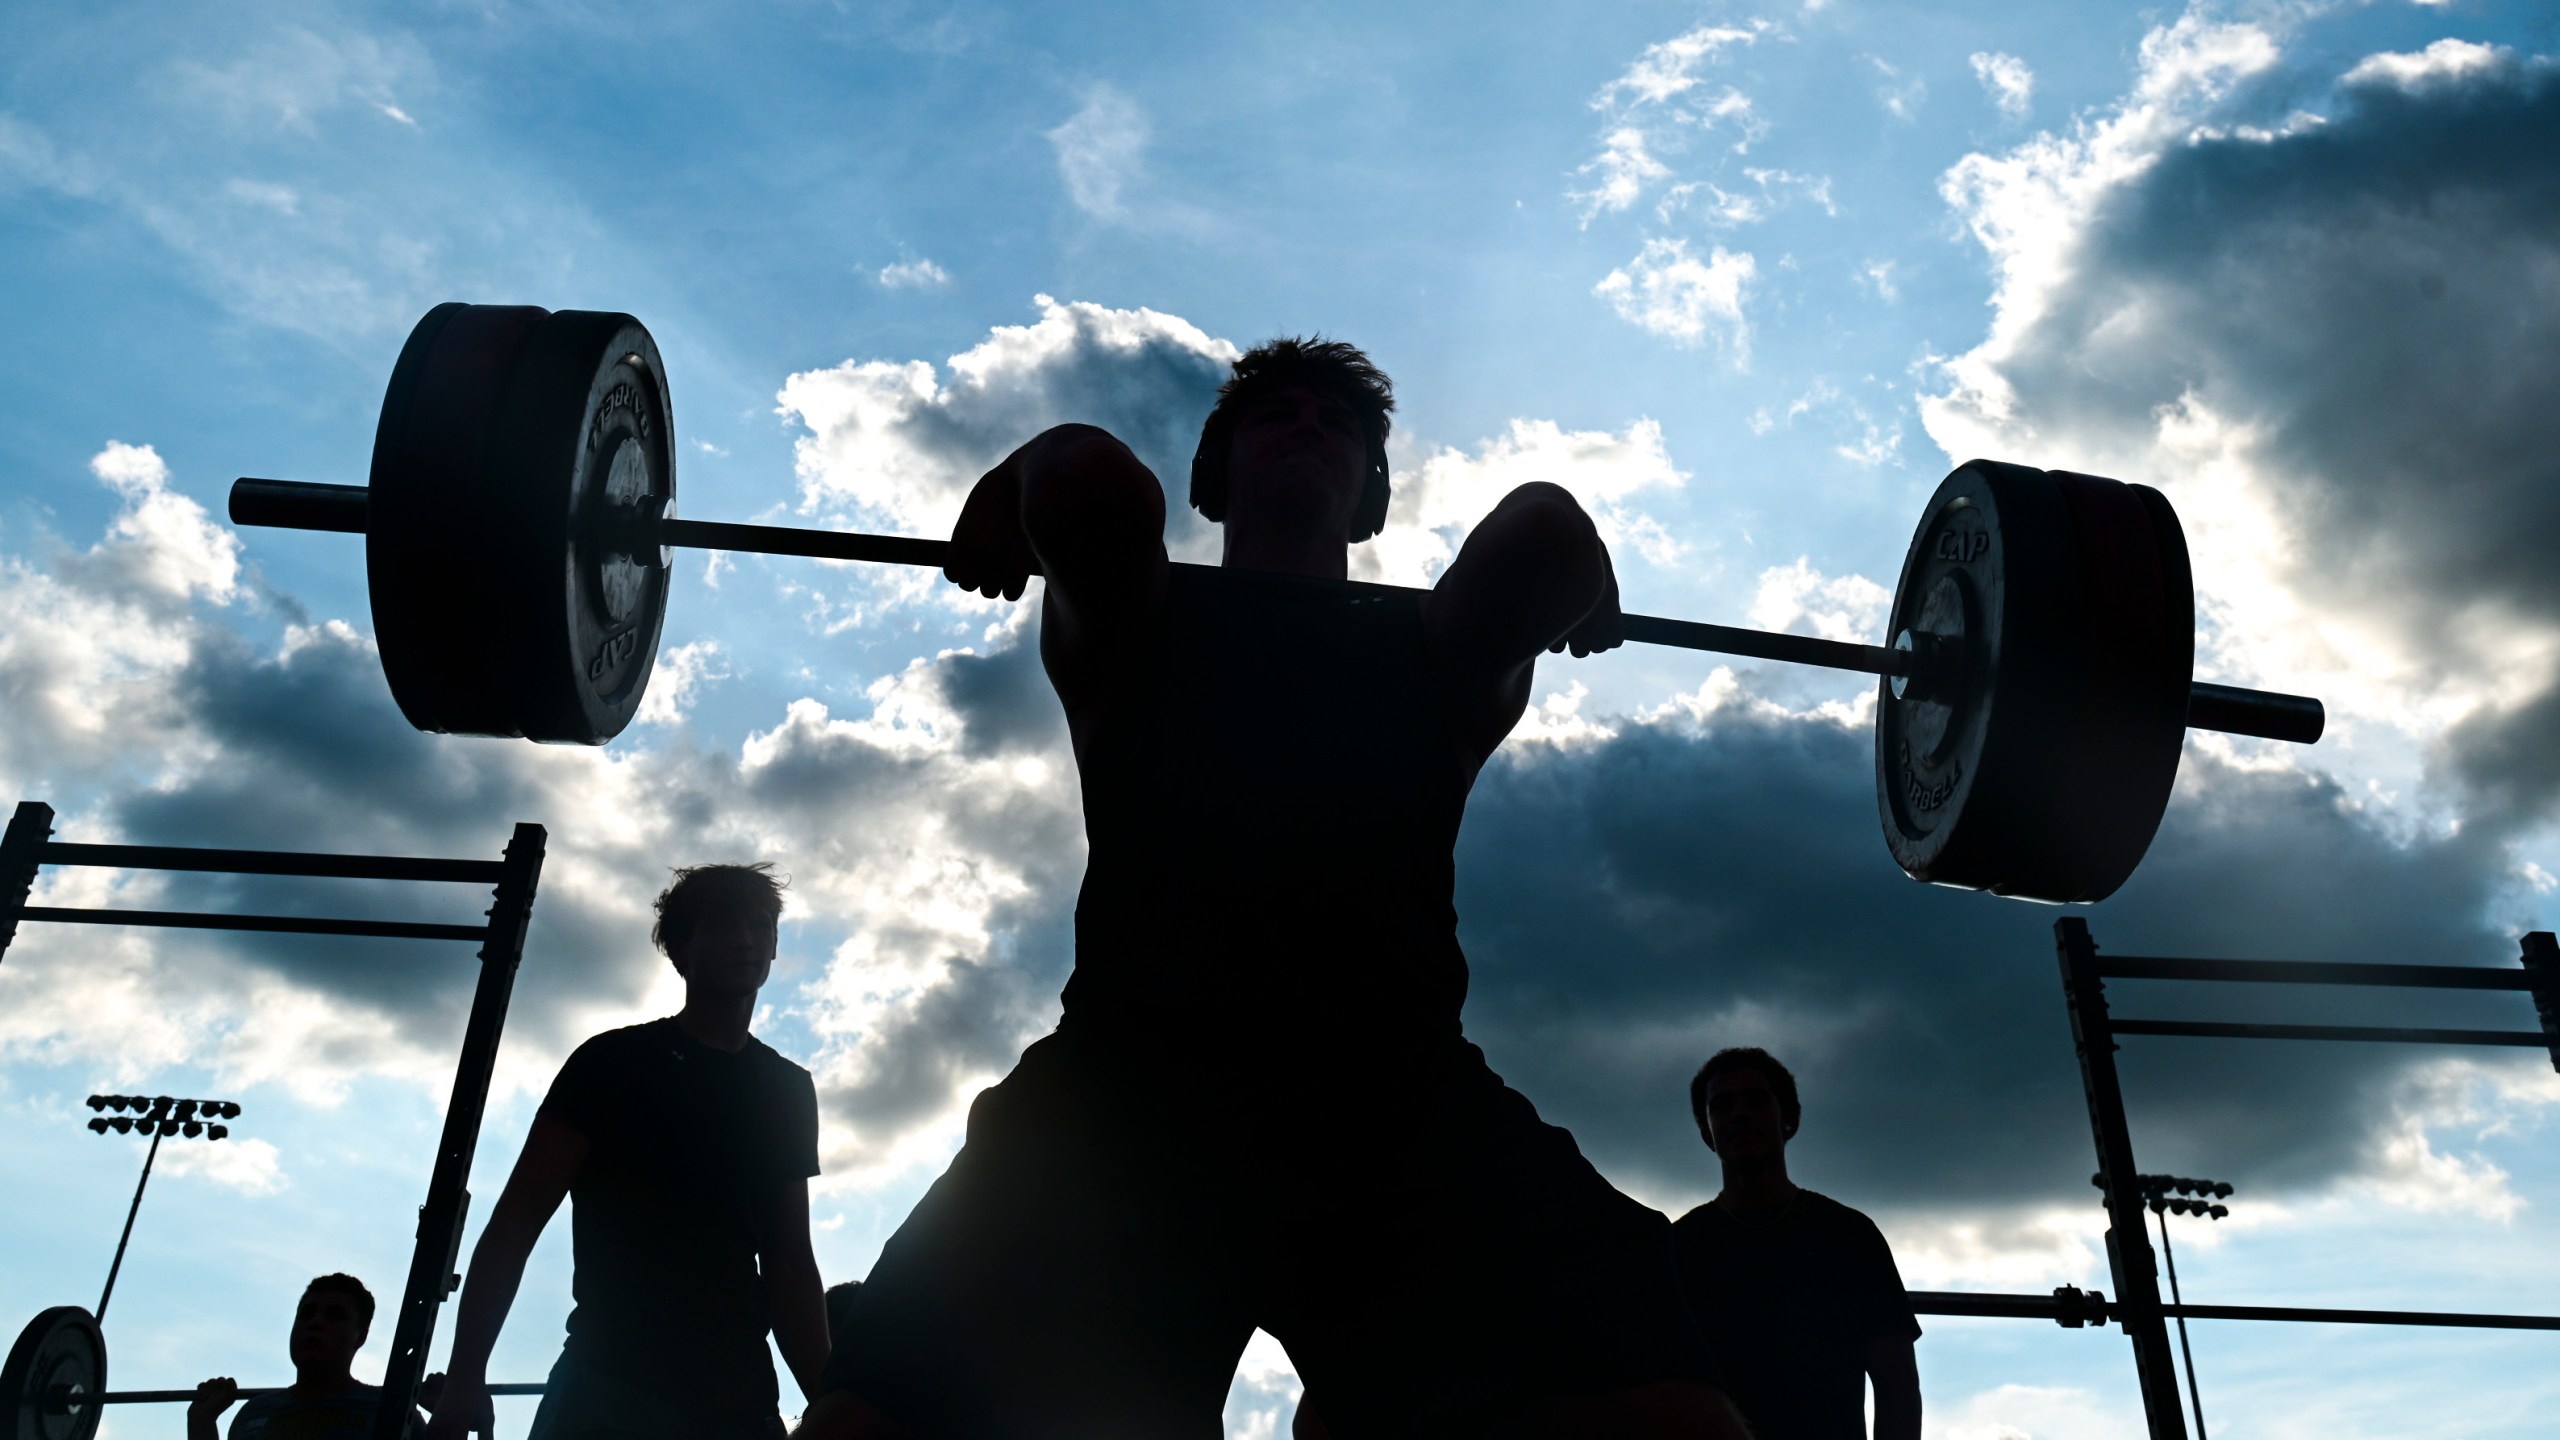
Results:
<point x="1437" y="1260"/>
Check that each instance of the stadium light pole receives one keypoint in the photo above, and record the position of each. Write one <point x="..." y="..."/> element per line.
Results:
<point x="158" y="1116"/>
<point x="2190" y="1197"/>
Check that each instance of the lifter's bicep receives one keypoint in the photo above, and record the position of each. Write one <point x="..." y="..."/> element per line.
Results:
<point x="1094" y="514"/>
<point x="553" y="1154"/>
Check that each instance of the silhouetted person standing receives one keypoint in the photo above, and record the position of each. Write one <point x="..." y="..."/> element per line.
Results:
<point x="1258" y="1108"/>
<point x="325" y="1401"/>
<point x="686" y="1146"/>
<point x="1798" y="1292"/>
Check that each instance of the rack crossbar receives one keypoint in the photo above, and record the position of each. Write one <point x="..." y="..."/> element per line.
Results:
<point x="2314" y="972"/>
<point x="280" y="924"/>
<point x="2405" y="1034"/>
<point x="270" y="862"/>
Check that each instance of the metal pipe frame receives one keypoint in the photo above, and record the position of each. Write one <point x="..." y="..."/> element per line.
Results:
<point x="27" y="845"/>
<point x="2139" y="1309"/>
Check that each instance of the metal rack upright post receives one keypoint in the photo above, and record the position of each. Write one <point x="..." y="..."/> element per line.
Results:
<point x="28" y="845"/>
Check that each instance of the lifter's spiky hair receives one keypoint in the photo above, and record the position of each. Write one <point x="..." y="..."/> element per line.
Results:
<point x="701" y="891"/>
<point x="1331" y="365"/>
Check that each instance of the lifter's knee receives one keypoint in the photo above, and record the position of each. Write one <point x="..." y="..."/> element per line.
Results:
<point x="1685" y="1409"/>
<point x="843" y="1415"/>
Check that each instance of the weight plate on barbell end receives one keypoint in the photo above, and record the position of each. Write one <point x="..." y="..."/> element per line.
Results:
<point x="61" y="1354"/>
<point x="507" y="598"/>
<point x="440" y="569"/>
<point x="587" y="455"/>
<point x="2036" y="758"/>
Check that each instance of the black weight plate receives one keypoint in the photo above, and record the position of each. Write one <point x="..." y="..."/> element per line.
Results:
<point x="439" y="563"/>
<point x="586" y="446"/>
<point x="2140" y="656"/>
<point x="2040" y="766"/>
<point x="61" y="1355"/>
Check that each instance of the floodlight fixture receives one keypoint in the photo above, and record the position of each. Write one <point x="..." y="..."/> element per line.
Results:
<point x="161" y="1117"/>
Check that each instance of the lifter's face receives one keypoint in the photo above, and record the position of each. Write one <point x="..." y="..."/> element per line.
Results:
<point x="727" y="953"/>
<point x="1299" y="458"/>
<point x="328" y="1330"/>
<point x="1744" y="1119"/>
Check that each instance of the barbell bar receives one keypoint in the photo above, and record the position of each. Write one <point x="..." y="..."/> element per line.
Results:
<point x="520" y="520"/>
<point x="53" y="1380"/>
<point x="305" y="505"/>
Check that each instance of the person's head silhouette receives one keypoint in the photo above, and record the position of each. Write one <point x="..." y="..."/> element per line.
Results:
<point x="1297" y="442"/>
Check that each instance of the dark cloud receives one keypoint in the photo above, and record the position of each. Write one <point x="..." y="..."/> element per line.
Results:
<point x="1632" y="907"/>
<point x="2378" y="298"/>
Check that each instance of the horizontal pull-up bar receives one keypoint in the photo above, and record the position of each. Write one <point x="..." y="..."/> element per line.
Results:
<point x="269" y="862"/>
<point x="279" y="924"/>
<point x="2406" y="1034"/>
<point x="2315" y="972"/>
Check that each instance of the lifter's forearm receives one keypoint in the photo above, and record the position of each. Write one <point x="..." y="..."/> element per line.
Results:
<point x="488" y="1292"/>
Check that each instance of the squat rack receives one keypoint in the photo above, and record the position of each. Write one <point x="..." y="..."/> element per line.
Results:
<point x="28" y="845"/>
<point x="2132" y="1267"/>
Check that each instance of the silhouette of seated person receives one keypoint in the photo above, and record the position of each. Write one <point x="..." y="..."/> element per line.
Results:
<point x="325" y="1401"/>
<point x="1258" y="1107"/>
<point x="1798" y="1292"/>
<point x="685" y="1145"/>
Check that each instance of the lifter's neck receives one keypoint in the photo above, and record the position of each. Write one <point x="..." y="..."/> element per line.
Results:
<point x="1758" y="1185"/>
<point x="718" y="1019"/>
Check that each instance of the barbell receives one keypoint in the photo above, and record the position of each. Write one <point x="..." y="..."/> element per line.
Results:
<point x="520" y="521"/>
<point x="55" y="1380"/>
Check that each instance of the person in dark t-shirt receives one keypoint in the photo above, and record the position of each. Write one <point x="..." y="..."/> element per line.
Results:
<point x="685" y="1146"/>
<point x="325" y="1401"/>
<point x="1274" y="766"/>
<point x="1798" y="1292"/>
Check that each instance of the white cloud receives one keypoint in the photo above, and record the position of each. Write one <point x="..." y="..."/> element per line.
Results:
<point x="2034" y="1412"/>
<point x="251" y="1166"/>
<point x="1656" y="106"/>
<point x="1797" y="597"/>
<point x="683" y="672"/>
<point x="2445" y="61"/>
<point x="1440" y="499"/>
<point x="1901" y="95"/>
<point x="1669" y="69"/>
<point x="918" y="274"/>
<point x="898" y="444"/>
<point x="1672" y="293"/>
<point x="2006" y="78"/>
<point x="1101" y="149"/>
<point x="292" y="77"/>
<point x="1877" y="276"/>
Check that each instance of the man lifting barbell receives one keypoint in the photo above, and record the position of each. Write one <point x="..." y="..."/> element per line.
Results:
<point x="1274" y="768"/>
<point x="2034" y="702"/>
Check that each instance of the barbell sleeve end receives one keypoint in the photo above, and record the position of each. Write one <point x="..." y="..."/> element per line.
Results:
<point x="299" y="505"/>
<point x="2299" y="719"/>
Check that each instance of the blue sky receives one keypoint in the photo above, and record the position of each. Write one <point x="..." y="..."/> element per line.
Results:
<point x="1748" y="279"/>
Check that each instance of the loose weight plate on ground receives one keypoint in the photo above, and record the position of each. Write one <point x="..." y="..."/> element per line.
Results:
<point x="519" y="452"/>
<point x="59" y="1361"/>
<point x="2031" y="751"/>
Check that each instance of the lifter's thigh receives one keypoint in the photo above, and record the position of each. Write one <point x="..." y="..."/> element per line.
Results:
<point x="1069" y="1276"/>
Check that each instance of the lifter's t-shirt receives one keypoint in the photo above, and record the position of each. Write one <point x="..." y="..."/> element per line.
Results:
<point x="1789" y="1301"/>
<point x="688" y="1149"/>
